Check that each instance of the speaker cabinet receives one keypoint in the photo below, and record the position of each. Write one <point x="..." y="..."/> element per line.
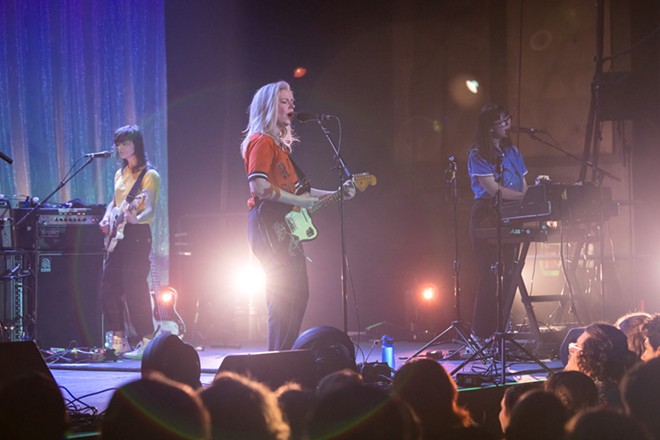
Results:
<point x="274" y="368"/>
<point x="68" y="305"/>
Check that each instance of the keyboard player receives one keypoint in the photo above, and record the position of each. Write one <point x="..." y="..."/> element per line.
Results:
<point x="492" y="146"/>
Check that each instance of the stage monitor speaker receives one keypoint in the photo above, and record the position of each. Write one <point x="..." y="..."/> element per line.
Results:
<point x="68" y="305"/>
<point x="19" y="358"/>
<point x="571" y="336"/>
<point x="274" y="368"/>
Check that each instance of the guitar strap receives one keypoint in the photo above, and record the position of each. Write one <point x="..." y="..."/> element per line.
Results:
<point x="303" y="183"/>
<point x="136" y="186"/>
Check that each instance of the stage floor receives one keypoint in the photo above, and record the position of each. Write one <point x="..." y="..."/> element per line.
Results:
<point x="90" y="385"/>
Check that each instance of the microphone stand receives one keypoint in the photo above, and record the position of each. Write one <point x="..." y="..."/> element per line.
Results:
<point x="64" y="181"/>
<point x="588" y="163"/>
<point x="344" y="174"/>
<point x="457" y="325"/>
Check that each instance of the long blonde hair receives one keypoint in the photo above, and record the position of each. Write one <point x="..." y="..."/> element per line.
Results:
<point x="263" y="117"/>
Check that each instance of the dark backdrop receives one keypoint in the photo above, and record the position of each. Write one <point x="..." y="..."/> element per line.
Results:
<point x="386" y="68"/>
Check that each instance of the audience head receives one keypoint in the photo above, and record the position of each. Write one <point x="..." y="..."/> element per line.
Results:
<point x="631" y="325"/>
<point x="640" y="391"/>
<point x="510" y="398"/>
<point x="432" y="393"/>
<point x="155" y="407"/>
<point x="243" y="408"/>
<point x="363" y="412"/>
<point x="176" y="360"/>
<point x="32" y="406"/>
<point x="538" y="415"/>
<point x="297" y="405"/>
<point x="604" y="424"/>
<point x="337" y="380"/>
<point x="651" y="333"/>
<point x="576" y="390"/>
<point x="601" y="352"/>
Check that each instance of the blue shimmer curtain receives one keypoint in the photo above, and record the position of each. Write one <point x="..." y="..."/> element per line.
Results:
<point x="71" y="72"/>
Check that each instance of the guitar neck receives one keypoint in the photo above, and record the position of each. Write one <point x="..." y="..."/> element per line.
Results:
<point x="328" y="200"/>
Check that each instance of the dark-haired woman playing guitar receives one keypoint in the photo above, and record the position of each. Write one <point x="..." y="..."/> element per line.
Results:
<point x="126" y="268"/>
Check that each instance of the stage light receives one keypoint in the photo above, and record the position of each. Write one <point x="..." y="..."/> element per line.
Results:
<point x="429" y="292"/>
<point x="166" y="295"/>
<point x="299" y="72"/>
<point x="249" y="279"/>
<point x="463" y="89"/>
<point x="472" y="85"/>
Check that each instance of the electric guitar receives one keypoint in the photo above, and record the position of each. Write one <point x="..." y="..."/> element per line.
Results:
<point x="285" y="228"/>
<point x="163" y="301"/>
<point x="117" y="220"/>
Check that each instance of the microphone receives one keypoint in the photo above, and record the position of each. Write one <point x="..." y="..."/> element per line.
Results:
<point x="6" y="158"/>
<point x="102" y="154"/>
<point x="526" y="130"/>
<point x="304" y="117"/>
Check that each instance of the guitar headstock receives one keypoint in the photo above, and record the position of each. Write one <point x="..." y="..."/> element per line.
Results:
<point x="363" y="180"/>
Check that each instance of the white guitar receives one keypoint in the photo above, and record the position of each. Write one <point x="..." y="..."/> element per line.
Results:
<point x="117" y="220"/>
<point x="285" y="228"/>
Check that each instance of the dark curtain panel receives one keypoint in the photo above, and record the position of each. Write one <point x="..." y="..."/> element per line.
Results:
<point x="71" y="72"/>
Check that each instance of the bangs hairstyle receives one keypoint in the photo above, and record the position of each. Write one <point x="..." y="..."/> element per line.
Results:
<point x="132" y="133"/>
<point x="263" y="117"/>
<point x="488" y="114"/>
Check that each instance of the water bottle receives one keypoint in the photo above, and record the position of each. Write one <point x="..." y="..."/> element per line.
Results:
<point x="388" y="351"/>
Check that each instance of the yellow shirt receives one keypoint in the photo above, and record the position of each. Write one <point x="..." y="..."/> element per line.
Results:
<point x="124" y="180"/>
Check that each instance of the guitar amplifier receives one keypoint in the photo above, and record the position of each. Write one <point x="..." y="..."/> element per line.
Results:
<point x="60" y="229"/>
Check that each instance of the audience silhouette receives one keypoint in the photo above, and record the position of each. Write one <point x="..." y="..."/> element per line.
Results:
<point x="155" y="407"/>
<point x="602" y="353"/>
<point x="242" y="408"/>
<point x="338" y="380"/>
<point x="363" y="412"/>
<point x="431" y="392"/>
<point x="604" y="424"/>
<point x="511" y="396"/>
<point x="576" y="390"/>
<point x="297" y="405"/>
<point x="604" y="393"/>
<point x="651" y="333"/>
<point x="631" y="325"/>
<point x="538" y="415"/>
<point x="32" y="407"/>
<point x="640" y="392"/>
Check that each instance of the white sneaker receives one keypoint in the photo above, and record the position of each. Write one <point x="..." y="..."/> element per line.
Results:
<point x="120" y="344"/>
<point x="138" y="352"/>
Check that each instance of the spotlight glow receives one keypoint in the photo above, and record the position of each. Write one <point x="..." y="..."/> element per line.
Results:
<point x="472" y="85"/>
<point x="299" y="72"/>
<point x="166" y="296"/>
<point x="429" y="292"/>
<point x="249" y="279"/>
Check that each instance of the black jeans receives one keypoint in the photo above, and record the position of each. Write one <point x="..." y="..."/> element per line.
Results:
<point x="124" y="279"/>
<point x="484" y="316"/>
<point x="287" y="287"/>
